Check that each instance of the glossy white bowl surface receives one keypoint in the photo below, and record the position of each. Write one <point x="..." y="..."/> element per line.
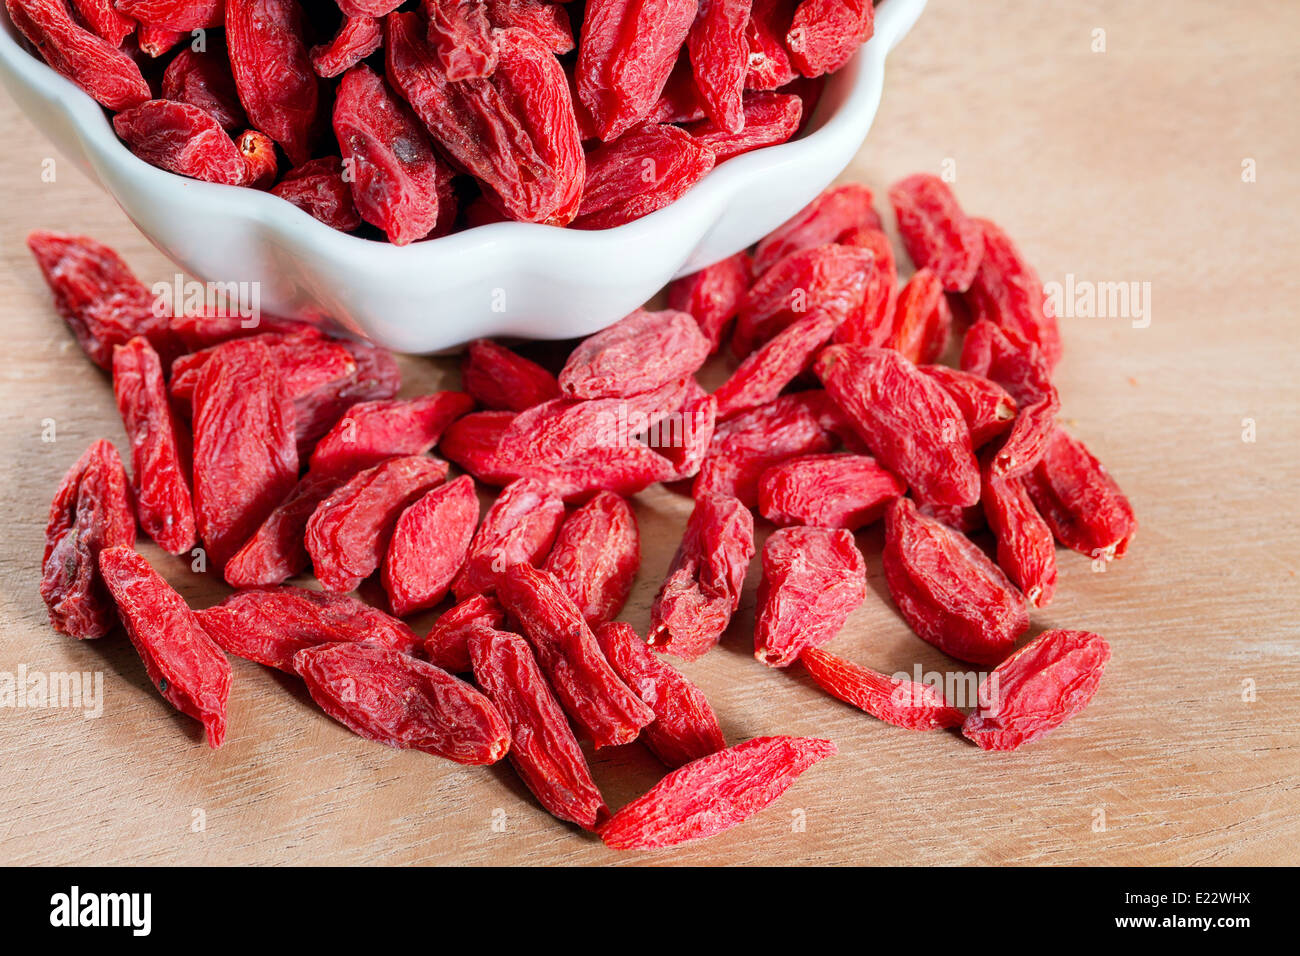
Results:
<point x="505" y="279"/>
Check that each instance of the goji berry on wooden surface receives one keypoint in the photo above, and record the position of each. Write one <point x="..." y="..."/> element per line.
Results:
<point x="712" y="295"/>
<point x="163" y="502"/>
<point x="642" y="171"/>
<point x="318" y="188"/>
<point x="270" y="625"/>
<point x="356" y="39"/>
<point x="305" y="360"/>
<point x="766" y="371"/>
<point x="813" y="579"/>
<point x="183" y="662"/>
<point x="446" y="644"/>
<point x="204" y="80"/>
<point x="273" y="71"/>
<point x="182" y="139"/>
<point x="543" y="750"/>
<point x="936" y="232"/>
<point x="1026" y="549"/>
<point x="986" y="406"/>
<point x="838" y="210"/>
<point x="637" y="354"/>
<point x="873" y="323"/>
<point x="903" y="703"/>
<point x="428" y="546"/>
<point x="922" y="320"/>
<point x="713" y="793"/>
<point x="600" y="705"/>
<point x="719" y="55"/>
<point x="277" y="550"/>
<point x="370" y="432"/>
<point x="702" y="589"/>
<point x="1007" y="291"/>
<point x="948" y="590"/>
<point x="393" y="699"/>
<point x="245" y="450"/>
<point x="827" y="491"/>
<point x="500" y="379"/>
<point x="685" y="727"/>
<point x="91" y="511"/>
<point x="906" y="419"/>
<point x="1037" y="689"/>
<point x="596" y="556"/>
<point x="377" y="378"/>
<point x="349" y="531"/>
<point x="1079" y="499"/>
<point x="520" y="526"/>
<point x="473" y="443"/>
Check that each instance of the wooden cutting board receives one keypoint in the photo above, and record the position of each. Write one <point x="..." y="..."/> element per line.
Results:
<point x="1122" y="166"/>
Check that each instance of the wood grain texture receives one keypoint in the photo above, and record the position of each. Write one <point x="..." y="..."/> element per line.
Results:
<point x="1117" y="166"/>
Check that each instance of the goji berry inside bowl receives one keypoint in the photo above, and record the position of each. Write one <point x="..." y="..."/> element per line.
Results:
<point x="504" y="279"/>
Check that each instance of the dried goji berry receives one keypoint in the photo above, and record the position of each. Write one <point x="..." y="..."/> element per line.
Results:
<point x="472" y="443"/>
<point x="922" y="320"/>
<point x="719" y="56"/>
<point x="596" y="556"/>
<point x="985" y="405"/>
<point x="273" y="72"/>
<point x="93" y="63"/>
<point x="520" y="526"/>
<point x="680" y="101"/>
<point x="766" y="371"/>
<point x="260" y="163"/>
<point x="154" y="41"/>
<point x="105" y="20"/>
<point x="873" y="322"/>
<point x="182" y="661"/>
<point x="204" y="80"/>
<point x="270" y="625"/>
<point x="498" y="378"/>
<point x="201" y="329"/>
<point x="825" y="34"/>
<point x="1026" y="550"/>
<point x="813" y="579"/>
<point x="1037" y="689"/>
<point x="368" y="8"/>
<point x="175" y="14"/>
<point x="348" y="533"/>
<point x="601" y="706"/>
<point x="99" y="297"/>
<point x="377" y="378"/>
<point x="356" y="39"/>
<point x="428" y="546"/>
<point x="515" y="132"/>
<point x="1079" y="499"/>
<point x="461" y="35"/>
<point x="395" y="173"/>
<point x="182" y="139"/>
<point x="162" y="492"/>
<point x="625" y="54"/>
<point x="714" y="793"/>
<point x="936" y="232"/>
<point x="827" y="491"/>
<point x="702" y="590"/>
<point x="713" y="294"/>
<point x="903" y="703"/>
<point x="370" y="432"/>
<point x="685" y="727"/>
<point x="544" y="19"/>
<point x="394" y="699"/>
<point x="770" y="65"/>
<point x="835" y="212"/>
<point x="543" y="750"/>
<point x="1007" y="291"/>
<point x="906" y="419"/>
<point x="447" y="641"/>
<point x="643" y="170"/>
<point x="637" y="354"/>
<point x="245" y="453"/>
<point x="948" y="590"/>
<point x="91" y="511"/>
<point x="318" y="188"/>
<point x="277" y="551"/>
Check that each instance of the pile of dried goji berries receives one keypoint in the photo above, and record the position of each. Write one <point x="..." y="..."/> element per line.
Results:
<point x="835" y="417"/>
<point x="421" y="118"/>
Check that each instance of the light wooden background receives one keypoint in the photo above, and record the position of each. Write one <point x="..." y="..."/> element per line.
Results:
<point x="1123" y="165"/>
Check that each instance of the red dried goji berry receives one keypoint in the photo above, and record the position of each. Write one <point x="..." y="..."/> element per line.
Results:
<point x="985" y="405"/>
<point x="685" y="727"/>
<point x="825" y="34"/>
<point x="625" y="54"/>
<point x="356" y="39"/>
<point x="770" y="65"/>
<point x="204" y="80"/>
<point x="639" y="353"/>
<point x="348" y="533"/>
<point x="154" y="41"/>
<point x="162" y="492"/>
<point x="277" y="551"/>
<point x="642" y="171"/>
<point x="906" y="419"/>
<point x="202" y="329"/>
<point x="601" y="706"/>
<point x="543" y="750"/>
<point x="873" y="322"/>
<point x="182" y="661"/>
<point x="270" y="625"/>
<point x="182" y="139"/>
<point x="377" y="378"/>
<point x="1026" y="550"/>
<point x="370" y="432"/>
<point x="922" y="320"/>
<point x="498" y="378"/>
<point x="175" y="14"/>
<point x="948" y="590"/>
<point x="519" y="527"/>
<point x="903" y="703"/>
<point x="827" y="491"/>
<point x="447" y="641"/>
<point x="702" y="590"/>
<point x="461" y="35"/>
<point x="596" y="556"/>
<point x="813" y="579"/>
<point x="472" y="443"/>
<point x="318" y="188"/>
<point x="544" y="19"/>
<point x="1079" y="499"/>
<point x="394" y="699"/>
<point x="1007" y="291"/>
<point x="936" y="232"/>
<point x="719" y="55"/>
<point x="245" y="454"/>
<point x="273" y="72"/>
<point x="1037" y="689"/>
<point x="766" y="371"/>
<point x="91" y="511"/>
<point x="714" y="793"/>
<point x="428" y="546"/>
<point x="838" y="210"/>
<point x="105" y="20"/>
<point x="713" y="294"/>
<point x="93" y="63"/>
<point x="260" y="163"/>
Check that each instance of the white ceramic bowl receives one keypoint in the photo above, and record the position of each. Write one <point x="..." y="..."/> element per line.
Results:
<point x="505" y="279"/>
